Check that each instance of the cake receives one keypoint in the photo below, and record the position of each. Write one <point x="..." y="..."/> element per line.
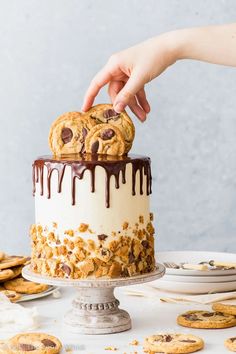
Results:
<point x="92" y="215"/>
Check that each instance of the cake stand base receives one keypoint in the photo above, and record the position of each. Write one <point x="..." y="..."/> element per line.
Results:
<point x="95" y="310"/>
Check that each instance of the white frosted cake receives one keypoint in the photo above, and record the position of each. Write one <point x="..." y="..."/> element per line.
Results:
<point x="92" y="216"/>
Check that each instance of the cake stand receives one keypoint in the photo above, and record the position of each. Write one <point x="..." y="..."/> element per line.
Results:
<point x="95" y="310"/>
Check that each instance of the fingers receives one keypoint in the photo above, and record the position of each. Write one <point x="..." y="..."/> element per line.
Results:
<point x="132" y="86"/>
<point x="137" y="110"/>
<point x="114" y="88"/>
<point x="142" y="99"/>
<point x="100" y="80"/>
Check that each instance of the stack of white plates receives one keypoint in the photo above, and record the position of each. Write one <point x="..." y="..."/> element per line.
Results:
<point x="191" y="281"/>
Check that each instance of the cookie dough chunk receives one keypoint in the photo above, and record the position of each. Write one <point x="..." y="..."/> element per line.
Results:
<point x="104" y="113"/>
<point x="230" y="344"/>
<point x="23" y="286"/>
<point x="228" y="309"/>
<point x="12" y="261"/>
<point x="13" y="296"/>
<point x="206" y="319"/>
<point x="173" y="343"/>
<point x="68" y="132"/>
<point x="36" y="343"/>
<point x="105" y="139"/>
<point x="6" y="274"/>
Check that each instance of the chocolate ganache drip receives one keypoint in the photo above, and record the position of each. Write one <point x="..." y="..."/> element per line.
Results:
<point x="80" y="163"/>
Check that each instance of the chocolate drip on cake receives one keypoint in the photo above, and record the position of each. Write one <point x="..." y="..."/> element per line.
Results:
<point x="80" y="163"/>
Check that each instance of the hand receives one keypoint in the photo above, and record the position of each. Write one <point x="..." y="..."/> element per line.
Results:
<point x="128" y="71"/>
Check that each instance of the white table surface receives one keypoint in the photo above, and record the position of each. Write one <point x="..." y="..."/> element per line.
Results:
<point x="148" y="317"/>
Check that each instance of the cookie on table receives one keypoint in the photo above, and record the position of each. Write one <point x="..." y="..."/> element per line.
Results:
<point x="173" y="343"/>
<point x="23" y="286"/>
<point x="104" y="113"/>
<point x="13" y="296"/>
<point x="68" y="132"/>
<point x="6" y="274"/>
<point x="228" y="309"/>
<point x="105" y="139"/>
<point x="206" y="319"/>
<point x="37" y="343"/>
<point x="2" y="255"/>
<point x="230" y="344"/>
<point x="12" y="261"/>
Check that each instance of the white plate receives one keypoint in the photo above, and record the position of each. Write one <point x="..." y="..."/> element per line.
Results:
<point x="28" y="297"/>
<point x="199" y="279"/>
<point x="196" y="257"/>
<point x="193" y="288"/>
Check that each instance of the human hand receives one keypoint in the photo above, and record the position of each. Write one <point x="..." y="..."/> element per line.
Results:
<point x="127" y="72"/>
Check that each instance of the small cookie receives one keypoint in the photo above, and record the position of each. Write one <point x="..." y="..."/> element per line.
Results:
<point x="230" y="344"/>
<point x="228" y="309"/>
<point x="2" y="255"/>
<point x="104" y="113"/>
<point x="105" y="139"/>
<point x="173" y="343"/>
<point x="6" y="274"/>
<point x="68" y="132"/>
<point x="13" y="296"/>
<point x="37" y="343"/>
<point x="206" y="319"/>
<point x="12" y="261"/>
<point x="23" y="286"/>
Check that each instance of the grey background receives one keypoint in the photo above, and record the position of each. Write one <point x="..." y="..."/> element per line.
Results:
<point x="49" y="51"/>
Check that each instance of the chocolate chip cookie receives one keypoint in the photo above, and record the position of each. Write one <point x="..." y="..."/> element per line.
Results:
<point x="228" y="309"/>
<point x="173" y="343"/>
<point x="12" y="261"/>
<point x="206" y="319"/>
<point x="23" y="286"/>
<point x="105" y="139"/>
<point x="13" y="296"/>
<point x="68" y="132"/>
<point x="6" y="274"/>
<point x="230" y="344"/>
<point x="37" y="343"/>
<point x="104" y="113"/>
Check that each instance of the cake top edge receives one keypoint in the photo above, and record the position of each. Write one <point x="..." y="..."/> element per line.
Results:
<point x="83" y="158"/>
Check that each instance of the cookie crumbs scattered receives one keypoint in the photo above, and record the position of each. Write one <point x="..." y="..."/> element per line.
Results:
<point x="134" y="342"/>
<point x="113" y="349"/>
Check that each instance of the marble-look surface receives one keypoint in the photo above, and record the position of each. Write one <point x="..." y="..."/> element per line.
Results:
<point x="49" y="52"/>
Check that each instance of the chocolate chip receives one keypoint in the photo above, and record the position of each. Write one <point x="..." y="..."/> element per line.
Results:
<point x="66" y="135"/>
<point x="66" y="269"/>
<point x="145" y="244"/>
<point x="149" y="260"/>
<point x="84" y="132"/>
<point x="191" y="317"/>
<point x="27" y="347"/>
<point x="102" y="237"/>
<point x="110" y="113"/>
<point x="233" y="339"/>
<point x="188" y="341"/>
<point x="210" y="314"/>
<point x="107" y="134"/>
<point x="48" y="343"/>
<point x="95" y="147"/>
<point x="131" y="257"/>
<point x="168" y="338"/>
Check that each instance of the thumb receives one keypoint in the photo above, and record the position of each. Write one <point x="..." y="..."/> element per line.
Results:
<point x="132" y="86"/>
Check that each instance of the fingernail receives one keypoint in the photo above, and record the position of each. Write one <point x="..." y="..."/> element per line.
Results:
<point x="119" y="107"/>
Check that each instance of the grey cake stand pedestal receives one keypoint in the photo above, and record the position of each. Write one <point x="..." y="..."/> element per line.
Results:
<point x="95" y="310"/>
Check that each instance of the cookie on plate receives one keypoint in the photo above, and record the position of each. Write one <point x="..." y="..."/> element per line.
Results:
<point x="12" y="261"/>
<point x="13" y="296"/>
<point x="173" y="343"/>
<point x="68" y="132"/>
<point x="104" y="113"/>
<point x="23" y="286"/>
<point x="206" y="319"/>
<point x="230" y="344"/>
<point x="228" y="309"/>
<point x="6" y="274"/>
<point x="37" y="343"/>
<point x="105" y="139"/>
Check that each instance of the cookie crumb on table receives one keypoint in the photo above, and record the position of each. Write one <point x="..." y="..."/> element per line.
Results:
<point x="113" y="349"/>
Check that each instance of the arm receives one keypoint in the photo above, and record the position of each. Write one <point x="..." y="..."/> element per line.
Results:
<point x="127" y="72"/>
